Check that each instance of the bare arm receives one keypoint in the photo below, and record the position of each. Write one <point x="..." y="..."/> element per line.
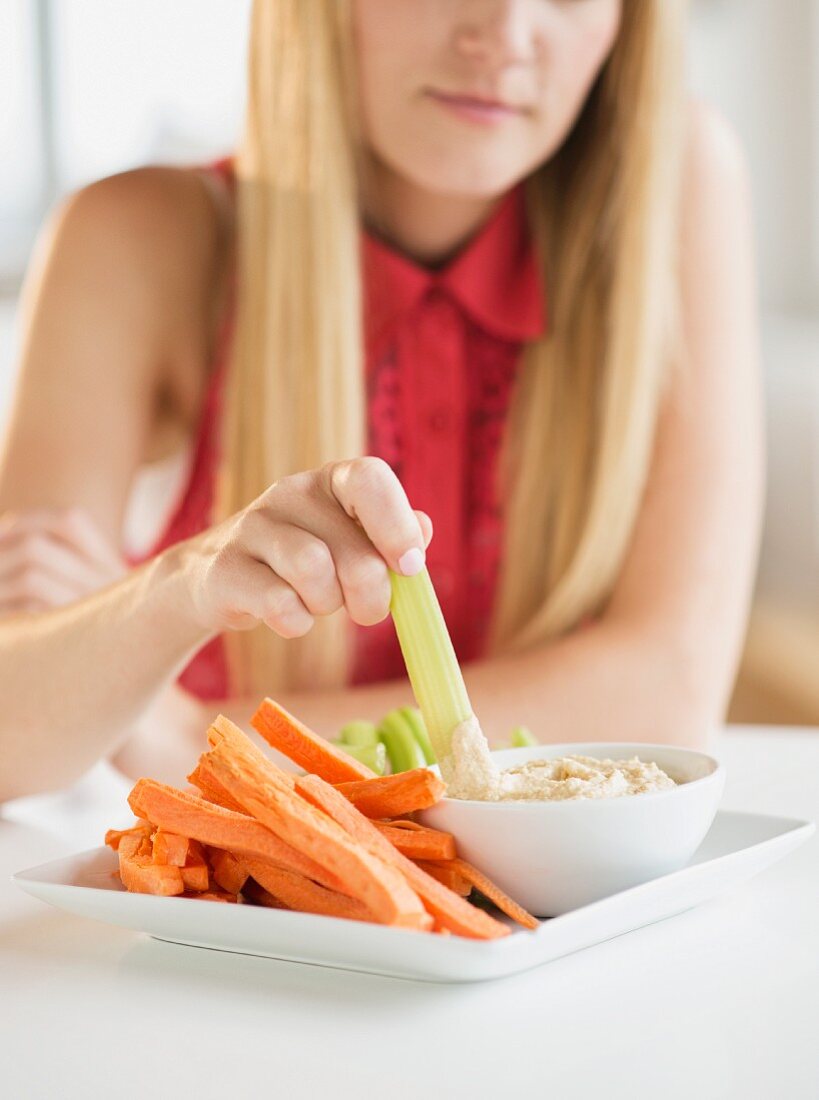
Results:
<point x="94" y="361"/>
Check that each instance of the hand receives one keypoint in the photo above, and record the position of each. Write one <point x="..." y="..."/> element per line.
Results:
<point x="310" y="544"/>
<point x="50" y="558"/>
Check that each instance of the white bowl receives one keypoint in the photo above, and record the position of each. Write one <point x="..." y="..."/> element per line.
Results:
<point x="552" y="857"/>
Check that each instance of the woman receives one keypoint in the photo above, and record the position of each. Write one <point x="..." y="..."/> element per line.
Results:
<point x="556" y="367"/>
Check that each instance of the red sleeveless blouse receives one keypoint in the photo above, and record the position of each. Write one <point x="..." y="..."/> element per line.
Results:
<point x="442" y="347"/>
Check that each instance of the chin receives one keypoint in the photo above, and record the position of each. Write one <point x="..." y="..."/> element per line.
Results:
<point x="487" y="178"/>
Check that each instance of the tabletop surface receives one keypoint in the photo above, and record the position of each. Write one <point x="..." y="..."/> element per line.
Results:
<point x="722" y="1001"/>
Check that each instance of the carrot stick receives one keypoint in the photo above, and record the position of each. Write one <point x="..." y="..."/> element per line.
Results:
<point x="444" y="873"/>
<point x="196" y="877"/>
<point x="299" y="893"/>
<point x="140" y="875"/>
<point x="449" y="910"/>
<point x="210" y="789"/>
<point x="171" y="848"/>
<point x="257" y="895"/>
<point x="179" y="812"/>
<point x="135" y="845"/>
<point x="228" y="871"/>
<point x="494" y="893"/>
<point x="289" y="736"/>
<point x="114" y="836"/>
<point x="368" y="879"/>
<point x="212" y="895"/>
<point x="225" y="732"/>
<point x="419" y="843"/>
<point x="393" y="795"/>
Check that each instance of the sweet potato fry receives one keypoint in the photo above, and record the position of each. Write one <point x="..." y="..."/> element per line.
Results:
<point x="393" y="795"/>
<point x="361" y="875"/>
<point x="171" y="848"/>
<point x="212" y="895"/>
<point x="418" y="843"/>
<point x="140" y="875"/>
<point x="139" y="829"/>
<point x="210" y="789"/>
<point x="299" y="893"/>
<point x="306" y="749"/>
<point x="449" y="910"/>
<point x="135" y="844"/>
<point x="494" y="893"/>
<point x="227" y="733"/>
<point x="228" y="872"/>
<point x="180" y="812"/>
<point x="444" y="873"/>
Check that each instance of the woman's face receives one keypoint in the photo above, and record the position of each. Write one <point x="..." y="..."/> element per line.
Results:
<point x="467" y="97"/>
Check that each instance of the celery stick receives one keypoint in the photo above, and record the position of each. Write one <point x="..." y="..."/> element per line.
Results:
<point x="521" y="737"/>
<point x="374" y="756"/>
<point x="430" y="659"/>
<point x="358" y="733"/>
<point x="416" y="724"/>
<point x="403" y="750"/>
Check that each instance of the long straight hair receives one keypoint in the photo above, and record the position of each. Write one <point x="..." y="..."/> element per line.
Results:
<point x="578" y="443"/>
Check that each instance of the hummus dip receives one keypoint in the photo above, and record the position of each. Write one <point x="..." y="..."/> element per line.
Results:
<point x="470" y="772"/>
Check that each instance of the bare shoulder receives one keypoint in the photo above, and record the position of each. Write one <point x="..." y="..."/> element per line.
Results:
<point x="715" y="171"/>
<point x="145" y="240"/>
<point x="116" y="314"/>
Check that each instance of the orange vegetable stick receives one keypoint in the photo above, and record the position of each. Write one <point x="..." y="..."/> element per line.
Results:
<point x="449" y="910"/>
<point x="179" y="812"/>
<point x="393" y="795"/>
<point x="140" y="875"/>
<point x="114" y="836"/>
<point x="212" y="895"/>
<point x="257" y="895"/>
<point x="419" y="843"/>
<point x="171" y="848"/>
<point x="378" y="885"/>
<point x="210" y="789"/>
<point x="494" y="893"/>
<point x="289" y="736"/>
<point x="445" y="874"/>
<point x="299" y="893"/>
<point x="228" y="871"/>
<point x="196" y="877"/>
<point x="135" y="845"/>
<point x="225" y="732"/>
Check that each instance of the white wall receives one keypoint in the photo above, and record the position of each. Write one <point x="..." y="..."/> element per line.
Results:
<point x="757" y="61"/>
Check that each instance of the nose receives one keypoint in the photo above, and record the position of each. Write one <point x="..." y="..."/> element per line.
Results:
<point x="500" y="32"/>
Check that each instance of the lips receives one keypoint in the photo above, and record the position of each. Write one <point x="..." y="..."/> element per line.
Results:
<point x="476" y="108"/>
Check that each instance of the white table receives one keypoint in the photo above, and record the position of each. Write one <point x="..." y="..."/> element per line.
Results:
<point x="722" y="1001"/>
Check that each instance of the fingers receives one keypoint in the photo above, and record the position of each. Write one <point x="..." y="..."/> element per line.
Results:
<point x="71" y="527"/>
<point x="426" y="526"/>
<point x="34" y="585"/>
<point x="299" y="558"/>
<point x="20" y="551"/>
<point x="256" y="595"/>
<point x="353" y="574"/>
<point x="369" y="491"/>
<point x="313" y="542"/>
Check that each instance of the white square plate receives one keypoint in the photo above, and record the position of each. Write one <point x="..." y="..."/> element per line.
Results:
<point x="737" y="847"/>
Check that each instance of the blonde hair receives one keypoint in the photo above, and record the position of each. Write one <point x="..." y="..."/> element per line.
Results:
<point x="582" y="422"/>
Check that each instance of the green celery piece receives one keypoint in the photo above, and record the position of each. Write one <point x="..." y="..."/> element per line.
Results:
<point x="374" y="756"/>
<point x="521" y="737"/>
<point x="415" y="720"/>
<point x="403" y="750"/>
<point x="358" y="733"/>
<point x="430" y="659"/>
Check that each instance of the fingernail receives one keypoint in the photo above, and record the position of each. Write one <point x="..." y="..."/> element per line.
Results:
<point x="411" y="562"/>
